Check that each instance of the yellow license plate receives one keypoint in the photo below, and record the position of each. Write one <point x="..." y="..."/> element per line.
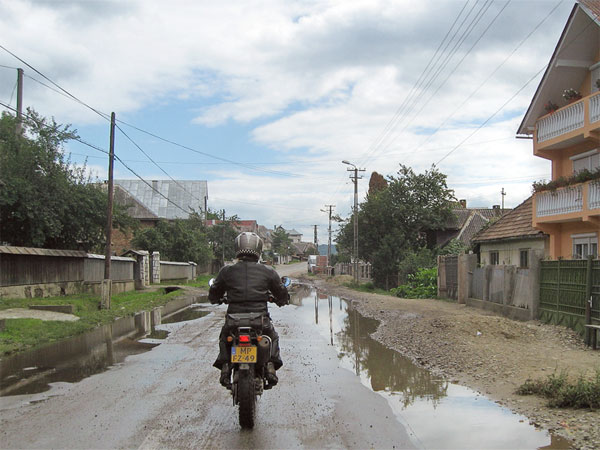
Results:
<point x="243" y="354"/>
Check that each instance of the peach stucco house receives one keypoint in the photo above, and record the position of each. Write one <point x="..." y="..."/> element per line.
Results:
<point x="570" y="136"/>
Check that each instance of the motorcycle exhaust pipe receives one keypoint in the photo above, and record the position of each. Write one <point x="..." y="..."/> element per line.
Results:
<point x="264" y="350"/>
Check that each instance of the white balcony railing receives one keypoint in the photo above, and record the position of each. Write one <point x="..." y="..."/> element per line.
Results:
<point x="594" y="108"/>
<point x="561" y="201"/>
<point x="594" y="195"/>
<point x="561" y="122"/>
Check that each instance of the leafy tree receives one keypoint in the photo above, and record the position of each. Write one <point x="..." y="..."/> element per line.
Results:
<point x="44" y="200"/>
<point x="177" y="240"/>
<point x="222" y="236"/>
<point x="392" y="221"/>
<point x="282" y="243"/>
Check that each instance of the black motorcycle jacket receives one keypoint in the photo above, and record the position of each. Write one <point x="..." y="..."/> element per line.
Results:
<point x="248" y="284"/>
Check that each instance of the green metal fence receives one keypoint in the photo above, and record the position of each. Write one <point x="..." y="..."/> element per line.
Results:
<point x="566" y="287"/>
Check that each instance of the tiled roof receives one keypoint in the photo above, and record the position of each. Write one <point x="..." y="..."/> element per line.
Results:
<point x="593" y="6"/>
<point x="10" y="250"/>
<point x="183" y="196"/>
<point x="514" y="224"/>
<point x="461" y="215"/>
<point x="475" y="223"/>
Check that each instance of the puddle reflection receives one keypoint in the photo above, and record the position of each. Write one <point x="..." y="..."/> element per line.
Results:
<point x="419" y="399"/>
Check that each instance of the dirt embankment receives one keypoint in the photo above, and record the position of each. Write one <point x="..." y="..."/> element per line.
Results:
<point x="491" y="354"/>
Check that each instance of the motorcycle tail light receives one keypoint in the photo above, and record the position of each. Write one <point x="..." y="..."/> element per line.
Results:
<point x="259" y="338"/>
<point x="229" y="338"/>
<point x="244" y="339"/>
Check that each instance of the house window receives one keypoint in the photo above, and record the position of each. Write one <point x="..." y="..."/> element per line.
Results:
<point x="585" y="245"/>
<point x="586" y="161"/>
<point x="524" y="258"/>
<point x="494" y="258"/>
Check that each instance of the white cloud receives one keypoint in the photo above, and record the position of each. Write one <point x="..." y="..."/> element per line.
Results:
<point x="311" y="80"/>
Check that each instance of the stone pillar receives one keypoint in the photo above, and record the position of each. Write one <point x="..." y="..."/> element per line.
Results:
<point x="146" y="267"/>
<point x="466" y="265"/>
<point x="155" y="267"/>
<point x="156" y="316"/>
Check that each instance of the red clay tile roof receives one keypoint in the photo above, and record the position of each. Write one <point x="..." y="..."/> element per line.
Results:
<point x="592" y="5"/>
<point x="513" y="225"/>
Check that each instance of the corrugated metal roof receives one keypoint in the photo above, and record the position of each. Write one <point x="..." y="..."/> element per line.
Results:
<point x="187" y="194"/>
<point x="10" y="250"/>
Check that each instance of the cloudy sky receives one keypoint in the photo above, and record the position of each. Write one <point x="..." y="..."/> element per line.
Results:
<point x="270" y="96"/>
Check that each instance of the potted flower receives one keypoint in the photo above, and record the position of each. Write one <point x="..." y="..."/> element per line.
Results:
<point x="550" y="107"/>
<point x="571" y="95"/>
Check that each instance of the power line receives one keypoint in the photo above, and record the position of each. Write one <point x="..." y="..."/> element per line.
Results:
<point x="95" y="147"/>
<point x="489" y="76"/>
<point x="447" y="60"/>
<point x="8" y="67"/>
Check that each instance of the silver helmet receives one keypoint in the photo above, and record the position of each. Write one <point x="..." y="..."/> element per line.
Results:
<point x="248" y="244"/>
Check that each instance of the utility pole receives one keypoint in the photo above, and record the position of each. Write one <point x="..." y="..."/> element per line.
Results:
<point x="329" y="230"/>
<point x="19" y="101"/>
<point x="503" y="192"/>
<point x="316" y="240"/>
<point x="106" y="283"/>
<point x="223" y="238"/>
<point x="355" y="179"/>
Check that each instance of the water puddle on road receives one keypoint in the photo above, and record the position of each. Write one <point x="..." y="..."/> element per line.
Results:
<point x="79" y="357"/>
<point x="437" y="413"/>
<point x="191" y="313"/>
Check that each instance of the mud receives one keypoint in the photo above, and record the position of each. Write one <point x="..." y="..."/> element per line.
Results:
<point x="488" y="353"/>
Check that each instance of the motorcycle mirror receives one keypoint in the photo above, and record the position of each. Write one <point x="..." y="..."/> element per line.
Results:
<point x="211" y="282"/>
<point x="286" y="281"/>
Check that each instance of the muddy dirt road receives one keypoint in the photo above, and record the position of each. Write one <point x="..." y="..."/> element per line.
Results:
<point x="338" y="388"/>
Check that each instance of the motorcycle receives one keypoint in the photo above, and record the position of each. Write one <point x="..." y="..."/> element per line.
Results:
<point x="250" y="352"/>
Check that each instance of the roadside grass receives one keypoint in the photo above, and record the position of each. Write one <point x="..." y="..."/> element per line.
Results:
<point x="564" y="393"/>
<point x="200" y="282"/>
<point x="25" y="334"/>
<point x="367" y="287"/>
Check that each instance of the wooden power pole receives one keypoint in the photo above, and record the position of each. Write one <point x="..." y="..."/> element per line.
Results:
<point x="106" y="283"/>
<point x="19" y="101"/>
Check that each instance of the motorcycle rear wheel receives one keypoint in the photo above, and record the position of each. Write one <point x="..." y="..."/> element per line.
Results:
<point x="247" y="398"/>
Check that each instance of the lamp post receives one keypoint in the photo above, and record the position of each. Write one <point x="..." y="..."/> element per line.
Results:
<point x="355" y="179"/>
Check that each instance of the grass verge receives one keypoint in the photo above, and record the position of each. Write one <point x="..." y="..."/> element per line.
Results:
<point x="200" y="282"/>
<point x="25" y="334"/>
<point x="564" y="393"/>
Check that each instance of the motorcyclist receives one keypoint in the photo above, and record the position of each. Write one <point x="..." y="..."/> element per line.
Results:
<point x="248" y="285"/>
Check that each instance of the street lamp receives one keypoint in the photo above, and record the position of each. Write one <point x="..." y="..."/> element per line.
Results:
<point x="355" y="179"/>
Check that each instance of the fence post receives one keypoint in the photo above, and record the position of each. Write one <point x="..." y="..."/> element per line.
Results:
<point x="466" y="265"/>
<point x="535" y="271"/>
<point x="588" y="296"/>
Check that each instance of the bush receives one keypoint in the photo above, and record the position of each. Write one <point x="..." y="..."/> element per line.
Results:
<point x="422" y="284"/>
<point x="561" y="393"/>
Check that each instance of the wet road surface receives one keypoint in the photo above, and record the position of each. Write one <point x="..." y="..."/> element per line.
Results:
<point x="338" y="388"/>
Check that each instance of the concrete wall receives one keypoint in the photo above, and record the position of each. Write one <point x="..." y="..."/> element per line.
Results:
<point x="504" y="289"/>
<point x="509" y="251"/>
<point x="176" y="271"/>
<point x="33" y="275"/>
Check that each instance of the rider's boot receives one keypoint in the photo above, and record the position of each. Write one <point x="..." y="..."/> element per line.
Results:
<point x="271" y="374"/>
<point x="225" y="379"/>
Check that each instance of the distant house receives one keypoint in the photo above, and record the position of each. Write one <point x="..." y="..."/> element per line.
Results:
<point x="563" y="120"/>
<point x="155" y="200"/>
<point x="294" y="235"/>
<point x="242" y="226"/>
<point x="463" y="225"/>
<point x="511" y="239"/>
<point x="303" y="249"/>
<point x="165" y="199"/>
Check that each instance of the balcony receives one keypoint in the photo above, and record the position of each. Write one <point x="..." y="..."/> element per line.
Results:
<point x="568" y="125"/>
<point x="580" y="202"/>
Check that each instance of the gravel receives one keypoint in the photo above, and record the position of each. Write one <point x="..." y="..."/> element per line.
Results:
<point x="489" y="353"/>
